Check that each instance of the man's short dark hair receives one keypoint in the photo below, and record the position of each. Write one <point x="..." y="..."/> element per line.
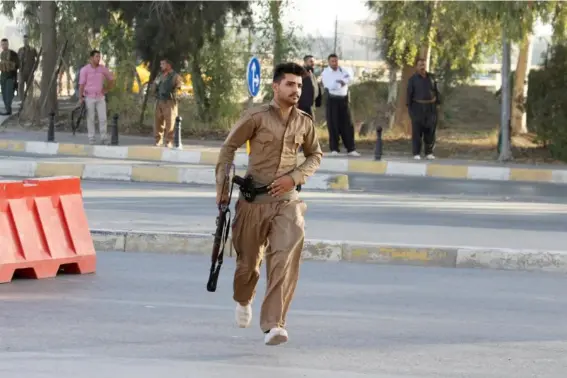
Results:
<point x="4" y="40"/>
<point x="167" y="61"/>
<point x="307" y="57"/>
<point x="420" y="60"/>
<point x="332" y="56"/>
<point x="94" y="52"/>
<point x="287" y="68"/>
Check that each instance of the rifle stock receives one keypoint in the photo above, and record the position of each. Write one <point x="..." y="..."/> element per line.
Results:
<point x="221" y="235"/>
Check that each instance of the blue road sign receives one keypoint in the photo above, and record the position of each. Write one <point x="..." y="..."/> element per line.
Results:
<point x="253" y="76"/>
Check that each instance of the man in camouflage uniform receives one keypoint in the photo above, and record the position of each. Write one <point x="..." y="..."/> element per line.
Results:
<point x="9" y="65"/>
<point x="167" y="86"/>
<point x="28" y="56"/>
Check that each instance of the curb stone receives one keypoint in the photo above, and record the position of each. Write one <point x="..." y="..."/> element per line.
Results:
<point x="345" y="251"/>
<point x="145" y="173"/>
<point x="333" y="165"/>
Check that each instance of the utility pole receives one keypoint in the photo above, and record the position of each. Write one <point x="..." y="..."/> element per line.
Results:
<point x="336" y="34"/>
<point x="505" y="151"/>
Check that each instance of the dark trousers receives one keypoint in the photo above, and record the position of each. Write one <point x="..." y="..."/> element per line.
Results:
<point x="306" y="109"/>
<point x="7" y="87"/>
<point x="339" y="123"/>
<point x="423" y="126"/>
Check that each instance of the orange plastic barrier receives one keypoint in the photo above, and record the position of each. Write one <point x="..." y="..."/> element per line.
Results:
<point x="44" y="229"/>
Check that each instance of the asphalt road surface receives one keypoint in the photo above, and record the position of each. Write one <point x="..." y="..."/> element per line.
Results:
<point x="407" y="211"/>
<point x="149" y="315"/>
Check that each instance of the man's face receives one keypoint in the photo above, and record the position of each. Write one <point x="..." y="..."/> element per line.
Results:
<point x="310" y="62"/>
<point x="164" y="66"/>
<point x="96" y="59"/>
<point x="333" y="62"/>
<point x="288" y="90"/>
<point x="26" y="41"/>
<point x="421" y="67"/>
<point x="5" y="45"/>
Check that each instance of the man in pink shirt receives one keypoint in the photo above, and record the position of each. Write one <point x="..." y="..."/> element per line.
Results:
<point x="92" y="92"/>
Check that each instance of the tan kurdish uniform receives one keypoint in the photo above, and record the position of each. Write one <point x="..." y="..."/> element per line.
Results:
<point x="270" y="228"/>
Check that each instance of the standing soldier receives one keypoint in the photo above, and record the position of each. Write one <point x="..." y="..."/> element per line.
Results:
<point x="9" y="65"/>
<point x="167" y="85"/>
<point x="272" y="226"/>
<point x="422" y="100"/>
<point x="28" y="57"/>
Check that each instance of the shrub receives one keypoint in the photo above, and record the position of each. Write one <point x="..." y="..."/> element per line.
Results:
<point x="547" y="103"/>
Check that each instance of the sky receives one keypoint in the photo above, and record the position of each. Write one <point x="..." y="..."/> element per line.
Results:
<point x="305" y="12"/>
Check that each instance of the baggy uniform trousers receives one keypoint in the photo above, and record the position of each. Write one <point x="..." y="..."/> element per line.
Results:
<point x="165" y="114"/>
<point x="99" y="105"/>
<point x="274" y="232"/>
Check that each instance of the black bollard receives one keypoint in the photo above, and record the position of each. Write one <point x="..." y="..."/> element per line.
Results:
<point x="177" y="133"/>
<point x="114" y="135"/>
<point x="51" y="128"/>
<point x="378" y="149"/>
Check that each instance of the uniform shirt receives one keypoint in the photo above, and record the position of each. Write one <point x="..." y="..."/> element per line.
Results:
<point x="273" y="145"/>
<point x="166" y="86"/>
<point x="28" y="56"/>
<point x="422" y="89"/>
<point x="93" y="80"/>
<point x="330" y="77"/>
<point x="9" y="64"/>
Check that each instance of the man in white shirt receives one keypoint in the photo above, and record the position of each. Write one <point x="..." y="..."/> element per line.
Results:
<point x="339" y="122"/>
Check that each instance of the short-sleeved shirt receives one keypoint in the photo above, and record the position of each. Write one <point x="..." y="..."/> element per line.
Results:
<point x="93" y="80"/>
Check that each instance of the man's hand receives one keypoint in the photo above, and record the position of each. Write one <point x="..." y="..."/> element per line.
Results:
<point x="222" y="198"/>
<point x="282" y="185"/>
<point x="342" y="83"/>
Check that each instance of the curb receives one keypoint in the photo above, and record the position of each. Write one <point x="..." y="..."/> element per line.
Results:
<point x="334" y="165"/>
<point x="347" y="251"/>
<point x="145" y="173"/>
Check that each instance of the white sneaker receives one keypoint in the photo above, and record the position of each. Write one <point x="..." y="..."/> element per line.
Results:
<point x="243" y="315"/>
<point x="354" y="153"/>
<point x="334" y="153"/>
<point x="417" y="157"/>
<point x="276" y="336"/>
<point x="430" y="157"/>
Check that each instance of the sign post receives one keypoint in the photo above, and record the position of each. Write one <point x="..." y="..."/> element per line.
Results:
<point x="253" y="82"/>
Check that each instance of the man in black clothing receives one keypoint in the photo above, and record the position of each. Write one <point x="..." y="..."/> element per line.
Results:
<point x="9" y="65"/>
<point x="422" y="100"/>
<point x="310" y="92"/>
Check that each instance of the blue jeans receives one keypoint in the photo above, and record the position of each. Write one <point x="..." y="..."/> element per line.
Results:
<point x="7" y="87"/>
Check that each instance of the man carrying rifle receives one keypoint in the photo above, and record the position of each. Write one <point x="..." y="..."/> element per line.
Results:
<point x="269" y="218"/>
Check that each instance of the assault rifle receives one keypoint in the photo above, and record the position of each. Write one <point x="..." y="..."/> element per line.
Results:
<point x="222" y="231"/>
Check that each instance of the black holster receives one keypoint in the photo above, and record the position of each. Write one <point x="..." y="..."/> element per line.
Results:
<point x="249" y="191"/>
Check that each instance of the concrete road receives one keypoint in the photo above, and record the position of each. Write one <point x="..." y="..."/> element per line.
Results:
<point x="148" y="316"/>
<point x="407" y="211"/>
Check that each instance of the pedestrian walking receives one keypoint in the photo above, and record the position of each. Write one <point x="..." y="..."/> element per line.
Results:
<point x="9" y="65"/>
<point x="422" y="101"/>
<point x="336" y="82"/>
<point x="92" y="91"/>
<point x="272" y="226"/>
<point x="28" y="56"/>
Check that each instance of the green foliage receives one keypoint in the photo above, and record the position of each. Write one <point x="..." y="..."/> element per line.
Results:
<point x="224" y="87"/>
<point x="547" y="103"/>
<point x="400" y="29"/>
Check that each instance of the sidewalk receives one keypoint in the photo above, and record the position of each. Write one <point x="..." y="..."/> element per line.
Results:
<point x="92" y="168"/>
<point x="205" y="152"/>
